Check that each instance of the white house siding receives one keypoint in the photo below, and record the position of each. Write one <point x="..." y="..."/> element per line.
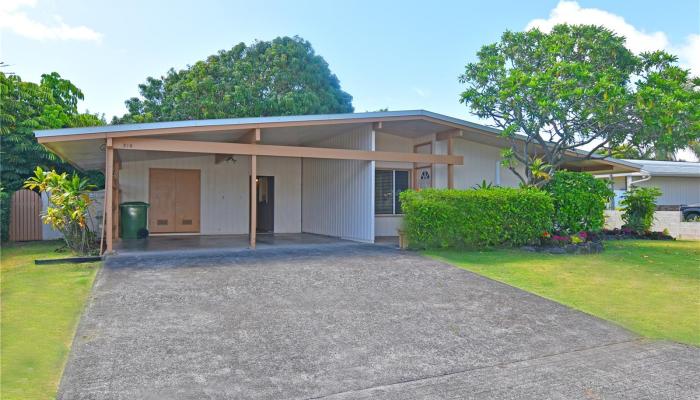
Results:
<point x="225" y="190"/>
<point x="287" y="173"/>
<point x="675" y="190"/>
<point x="338" y="195"/>
<point x="480" y="163"/>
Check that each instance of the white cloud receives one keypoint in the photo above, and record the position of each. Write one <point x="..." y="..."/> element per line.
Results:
<point x="570" y="12"/>
<point x="420" y="92"/>
<point x="13" y="19"/>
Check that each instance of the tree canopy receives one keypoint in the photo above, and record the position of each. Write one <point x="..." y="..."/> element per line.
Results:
<point x="27" y="106"/>
<point x="268" y="78"/>
<point x="579" y="86"/>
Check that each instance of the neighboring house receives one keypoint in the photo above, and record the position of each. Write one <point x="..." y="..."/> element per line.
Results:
<point x="678" y="181"/>
<point x="337" y="175"/>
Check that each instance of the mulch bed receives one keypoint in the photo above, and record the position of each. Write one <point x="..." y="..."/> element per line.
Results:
<point x="591" y="247"/>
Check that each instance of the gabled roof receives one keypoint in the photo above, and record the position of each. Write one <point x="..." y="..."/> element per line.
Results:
<point x="668" y="168"/>
<point x="77" y="145"/>
<point x="265" y="122"/>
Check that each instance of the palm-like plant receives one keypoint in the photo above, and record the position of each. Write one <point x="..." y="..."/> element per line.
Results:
<point x="540" y="171"/>
<point x="69" y="212"/>
<point x="694" y="146"/>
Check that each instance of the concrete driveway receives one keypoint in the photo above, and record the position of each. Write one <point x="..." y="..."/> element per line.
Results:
<point x="349" y="321"/>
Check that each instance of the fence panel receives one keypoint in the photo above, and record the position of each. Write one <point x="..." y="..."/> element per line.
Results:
<point x="25" y="216"/>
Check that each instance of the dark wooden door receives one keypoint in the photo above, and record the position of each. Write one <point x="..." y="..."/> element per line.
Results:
<point x="266" y="204"/>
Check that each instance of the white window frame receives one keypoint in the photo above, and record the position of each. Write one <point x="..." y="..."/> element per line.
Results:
<point x="393" y="189"/>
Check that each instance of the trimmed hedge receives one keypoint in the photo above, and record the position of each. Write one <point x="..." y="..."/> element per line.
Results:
<point x="475" y="218"/>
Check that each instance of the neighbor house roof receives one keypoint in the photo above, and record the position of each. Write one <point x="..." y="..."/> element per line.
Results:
<point x="668" y="168"/>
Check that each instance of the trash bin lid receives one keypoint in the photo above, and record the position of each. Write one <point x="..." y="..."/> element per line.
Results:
<point x="134" y="204"/>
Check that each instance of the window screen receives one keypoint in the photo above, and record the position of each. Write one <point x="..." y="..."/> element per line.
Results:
<point x="388" y="184"/>
<point x="400" y="184"/>
<point x="383" y="192"/>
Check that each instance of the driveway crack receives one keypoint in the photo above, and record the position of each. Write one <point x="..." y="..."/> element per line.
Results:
<point x="484" y="367"/>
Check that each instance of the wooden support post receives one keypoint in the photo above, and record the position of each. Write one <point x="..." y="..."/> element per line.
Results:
<point x="450" y="167"/>
<point x="116" y="195"/>
<point x="109" y="191"/>
<point x="253" y="200"/>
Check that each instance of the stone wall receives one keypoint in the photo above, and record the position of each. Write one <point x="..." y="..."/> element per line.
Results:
<point x="671" y="220"/>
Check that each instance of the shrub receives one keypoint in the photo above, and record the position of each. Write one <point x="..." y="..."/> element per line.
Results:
<point x="638" y="206"/>
<point x="579" y="201"/>
<point x="4" y="214"/>
<point x="69" y="209"/>
<point x="475" y="218"/>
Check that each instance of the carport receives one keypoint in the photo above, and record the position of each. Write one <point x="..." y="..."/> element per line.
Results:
<point x="191" y="244"/>
<point x="231" y="177"/>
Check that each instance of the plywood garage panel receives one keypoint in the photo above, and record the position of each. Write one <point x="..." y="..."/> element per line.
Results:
<point x="174" y="195"/>
<point x="187" y="203"/>
<point x="161" y="215"/>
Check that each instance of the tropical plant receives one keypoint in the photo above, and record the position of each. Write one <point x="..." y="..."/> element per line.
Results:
<point x="26" y="107"/>
<point x="552" y="93"/>
<point x="4" y="212"/>
<point x="268" y="78"/>
<point x="579" y="201"/>
<point x="483" y="185"/>
<point x="69" y="208"/>
<point x="639" y="205"/>
<point x="695" y="148"/>
<point x="539" y="170"/>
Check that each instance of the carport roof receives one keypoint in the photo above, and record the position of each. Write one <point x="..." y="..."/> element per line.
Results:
<point x="265" y="122"/>
<point x="80" y="145"/>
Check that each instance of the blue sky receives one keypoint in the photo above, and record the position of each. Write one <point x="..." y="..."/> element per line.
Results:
<point x="400" y="55"/>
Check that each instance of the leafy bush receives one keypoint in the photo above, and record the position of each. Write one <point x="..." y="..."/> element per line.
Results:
<point x="579" y="201"/>
<point x="69" y="211"/>
<point x="4" y="214"/>
<point x="638" y="206"/>
<point x="475" y="218"/>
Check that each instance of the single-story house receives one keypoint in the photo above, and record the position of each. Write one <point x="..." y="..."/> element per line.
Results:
<point x="678" y="181"/>
<point x="337" y="175"/>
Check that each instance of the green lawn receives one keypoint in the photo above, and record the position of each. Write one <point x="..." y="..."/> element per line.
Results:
<point x="41" y="306"/>
<point x="649" y="287"/>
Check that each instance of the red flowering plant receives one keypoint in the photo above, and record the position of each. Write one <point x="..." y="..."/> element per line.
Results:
<point x="561" y="240"/>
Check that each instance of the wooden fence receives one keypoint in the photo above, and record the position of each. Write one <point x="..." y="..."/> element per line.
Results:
<point x="25" y="216"/>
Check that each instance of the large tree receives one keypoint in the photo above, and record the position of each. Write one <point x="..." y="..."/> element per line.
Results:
<point x="579" y="87"/>
<point x="280" y="77"/>
<point x="25" y="107"/>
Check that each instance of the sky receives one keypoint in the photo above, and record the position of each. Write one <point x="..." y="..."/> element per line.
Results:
<point x="398" y="55"/>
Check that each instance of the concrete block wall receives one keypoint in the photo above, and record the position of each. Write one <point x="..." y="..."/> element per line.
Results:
<point x="670" y="220"/>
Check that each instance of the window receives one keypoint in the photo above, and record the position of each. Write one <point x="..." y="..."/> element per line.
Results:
<point x="388" y="184"/>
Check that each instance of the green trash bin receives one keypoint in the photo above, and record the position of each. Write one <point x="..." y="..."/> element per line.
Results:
<point x="134" y="219"/>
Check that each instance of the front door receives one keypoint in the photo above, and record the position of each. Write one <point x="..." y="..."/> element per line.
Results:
<point x="266" y="204"/>
<point x="174" y="195"/>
